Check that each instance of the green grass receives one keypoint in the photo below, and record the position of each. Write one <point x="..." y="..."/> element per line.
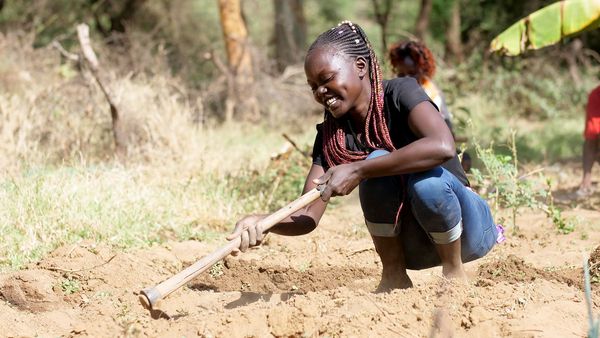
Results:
<point x="138" y="206"/>
<point x="44" y="208"/>
<point x="524" y="94"/>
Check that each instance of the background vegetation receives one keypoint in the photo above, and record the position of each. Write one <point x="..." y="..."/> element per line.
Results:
<point x="193" y="163"/>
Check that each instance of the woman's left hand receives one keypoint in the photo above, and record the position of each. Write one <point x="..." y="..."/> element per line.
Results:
<point x="339" y="180"/>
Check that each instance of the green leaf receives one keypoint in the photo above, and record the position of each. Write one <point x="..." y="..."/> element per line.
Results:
<point x="548" y="26"/>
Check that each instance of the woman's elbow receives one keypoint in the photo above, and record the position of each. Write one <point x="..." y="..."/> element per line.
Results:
<point x="447" y="150"/>
<point x="304" y="225"/>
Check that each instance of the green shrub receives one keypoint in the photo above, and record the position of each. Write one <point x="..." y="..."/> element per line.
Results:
<point x="503" y="184"/>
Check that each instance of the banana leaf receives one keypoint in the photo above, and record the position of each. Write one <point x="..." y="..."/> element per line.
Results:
<point x="548" y="26"/>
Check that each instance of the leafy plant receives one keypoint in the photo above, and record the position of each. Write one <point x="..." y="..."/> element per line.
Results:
<point x="305" y="266"/>
<point x="548" y="26"/>
<point x="70" y="286"/>
<point x="216" y="270"/>
<point x="269" y="189"/>
<point x="563" y="225"/>
<point x="507" y="188"/>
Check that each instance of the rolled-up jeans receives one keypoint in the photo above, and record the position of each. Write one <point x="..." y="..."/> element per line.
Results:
<point x="438" y="209"/>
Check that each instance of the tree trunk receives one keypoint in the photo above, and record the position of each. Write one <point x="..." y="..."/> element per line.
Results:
<point x="454" y="49"/>
<point x="571" y="53"/>
<point x="422" y="24"/>
<point x="289" y="32"/>
<point x="382" y="14"/>
<point x="239" y="60"/>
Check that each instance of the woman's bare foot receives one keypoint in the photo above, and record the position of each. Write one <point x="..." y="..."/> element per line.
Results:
<point x="452" y="266"/>
<point x="456" y="272"/>
<point x="391" y="254"/>
<point x="391" y="280"/>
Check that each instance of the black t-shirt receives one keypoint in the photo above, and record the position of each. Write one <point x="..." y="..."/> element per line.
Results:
<point x="401" y="95"/>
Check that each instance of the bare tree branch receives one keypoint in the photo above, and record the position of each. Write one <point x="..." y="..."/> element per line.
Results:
<point x="83" y="34"/>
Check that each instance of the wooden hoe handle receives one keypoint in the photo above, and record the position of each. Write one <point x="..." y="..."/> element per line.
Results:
<point x="150" y="296"/>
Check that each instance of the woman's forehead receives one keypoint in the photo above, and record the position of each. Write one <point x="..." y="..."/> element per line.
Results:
<point x="326" y="57"/>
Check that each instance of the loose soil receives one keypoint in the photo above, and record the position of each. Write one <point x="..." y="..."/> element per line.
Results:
<point x="321" y="284"/>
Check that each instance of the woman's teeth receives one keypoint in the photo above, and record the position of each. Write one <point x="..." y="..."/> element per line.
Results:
<point x="331" y="101"/>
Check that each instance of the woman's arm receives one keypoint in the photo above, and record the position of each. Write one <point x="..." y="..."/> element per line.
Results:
<point x="301" y="222"/>
<point x="306" y="219"/>
<point x="434" y="146"/>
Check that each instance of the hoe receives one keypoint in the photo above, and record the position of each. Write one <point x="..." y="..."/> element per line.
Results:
<point x="150" y="297"/>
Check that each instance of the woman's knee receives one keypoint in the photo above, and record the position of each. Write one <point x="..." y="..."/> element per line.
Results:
<point x="435" y="205"/>
<point x="429" y="190"/>
<point x="380" y="198"/>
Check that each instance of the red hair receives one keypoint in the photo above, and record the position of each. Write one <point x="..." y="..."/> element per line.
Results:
<point x="424" y="62"/>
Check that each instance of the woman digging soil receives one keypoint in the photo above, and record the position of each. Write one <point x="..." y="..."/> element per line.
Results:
<point x="387" y="138"/>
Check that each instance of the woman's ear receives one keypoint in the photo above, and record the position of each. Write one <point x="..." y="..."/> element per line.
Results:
<point x="361" y="66"/>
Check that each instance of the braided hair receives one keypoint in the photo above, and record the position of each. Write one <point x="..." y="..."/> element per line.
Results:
<point x="351" y="40"/>
<point x="418" y="54"/>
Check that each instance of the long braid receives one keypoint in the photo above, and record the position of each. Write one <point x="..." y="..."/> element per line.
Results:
<point x="351" y="40"/>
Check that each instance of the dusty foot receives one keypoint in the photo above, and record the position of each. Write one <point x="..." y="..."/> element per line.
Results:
<point x="455" y="272"/>
<point x="391" y="281"/>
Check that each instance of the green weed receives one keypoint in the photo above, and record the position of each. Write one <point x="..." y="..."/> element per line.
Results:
<point x="216" y="270"/>
<point x="562" y="224"/>
<point x="69" y="286"/>
<point x="269" y="189"/>
<point x="506" y="187"/>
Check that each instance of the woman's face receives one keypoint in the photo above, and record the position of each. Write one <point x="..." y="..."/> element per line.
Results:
<point x="337" y="81"/>
<point x="407" y="67"/>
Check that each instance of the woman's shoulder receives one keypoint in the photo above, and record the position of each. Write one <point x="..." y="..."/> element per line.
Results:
<point x="399" y="84"/>
<point x="405" y="92"/>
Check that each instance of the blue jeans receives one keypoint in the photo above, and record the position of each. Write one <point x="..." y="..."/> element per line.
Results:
<point x="438" y="209"/>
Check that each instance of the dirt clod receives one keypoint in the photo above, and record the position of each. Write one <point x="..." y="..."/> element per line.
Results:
<point x="30" y="290"/>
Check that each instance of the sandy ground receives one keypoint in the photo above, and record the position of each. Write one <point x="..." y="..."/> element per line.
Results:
<point x="321" y="284"/>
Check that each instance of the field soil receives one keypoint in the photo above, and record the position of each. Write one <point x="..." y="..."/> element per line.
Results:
<point x="321" y="284"/>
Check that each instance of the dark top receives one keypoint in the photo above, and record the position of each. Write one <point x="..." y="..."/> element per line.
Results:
<point x="401" y="95"/>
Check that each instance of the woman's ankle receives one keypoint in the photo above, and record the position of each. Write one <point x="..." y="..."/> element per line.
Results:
<point x="393" y="275"/>
<point x="394" y="278"/>
<point x="454" y="271"/>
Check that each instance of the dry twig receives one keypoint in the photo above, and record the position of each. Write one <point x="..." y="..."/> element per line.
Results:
<point x="54" y="268"/>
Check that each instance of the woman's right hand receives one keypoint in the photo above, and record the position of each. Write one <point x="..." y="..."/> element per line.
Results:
<point x="250" y="231"/>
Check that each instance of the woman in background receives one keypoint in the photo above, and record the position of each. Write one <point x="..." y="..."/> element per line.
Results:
<point x="414" y="59"/>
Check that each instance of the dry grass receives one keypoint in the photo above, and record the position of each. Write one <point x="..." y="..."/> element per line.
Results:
<point x="60" y="182"/>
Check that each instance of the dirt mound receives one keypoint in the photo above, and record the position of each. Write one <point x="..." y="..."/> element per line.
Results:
<point x="31" y="290"/>
<point x="252" y="276"/>
<point x="513" y="269"/>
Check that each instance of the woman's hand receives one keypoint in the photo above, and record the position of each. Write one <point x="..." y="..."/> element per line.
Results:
<point x="250" y="232"/>
<point x="339" y="180"/>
